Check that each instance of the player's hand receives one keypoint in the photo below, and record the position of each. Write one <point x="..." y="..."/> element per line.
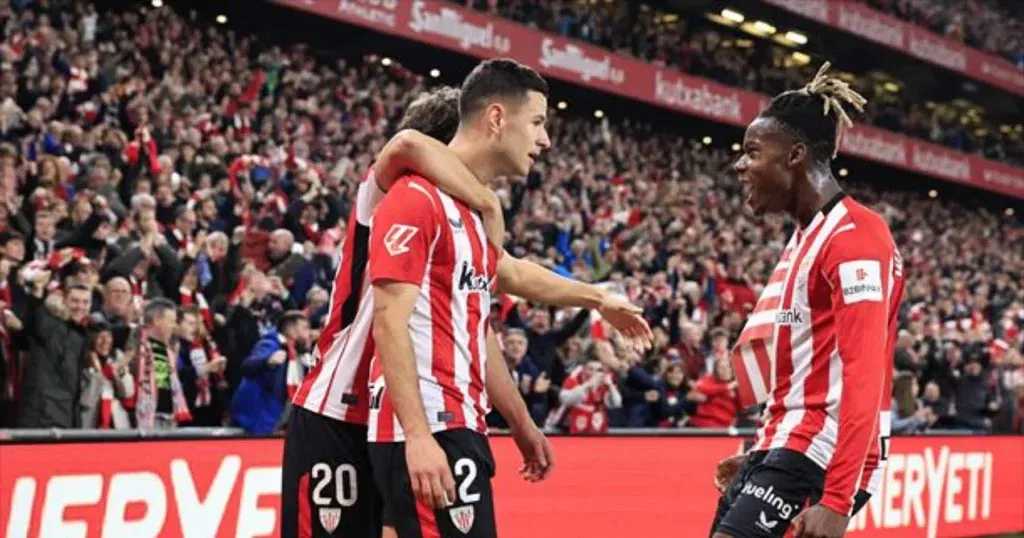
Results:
<point x="820" y="522"/>
<point x="627" y="318"/>
<point x="726" y="471"/>
<point x="431" y="478"/>
<point x="538" y="459"/>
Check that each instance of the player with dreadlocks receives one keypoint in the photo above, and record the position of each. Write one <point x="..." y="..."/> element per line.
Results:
<point x="818" y="346"/>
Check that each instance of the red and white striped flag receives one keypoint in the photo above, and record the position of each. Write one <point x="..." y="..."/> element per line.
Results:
<point x="752" y="356"/>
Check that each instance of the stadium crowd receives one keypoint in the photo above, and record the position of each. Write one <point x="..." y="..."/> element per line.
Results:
<point x="174" y="193"/>
<point x="695" y="45"/>
<point x="992" y="25"/>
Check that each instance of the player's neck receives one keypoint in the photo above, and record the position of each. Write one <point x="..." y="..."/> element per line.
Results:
<point x="820" y="188"/>
<point x="475" y="156"/>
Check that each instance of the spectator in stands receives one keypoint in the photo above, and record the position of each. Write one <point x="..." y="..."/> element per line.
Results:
<point x="533" y="383"/>
<point x="691" y="351"/>
<point x="57" y="346"/>
<point x="941" y="408"/>
<point x="676" y="399"/>
<point x="160" y="400"/>
<point x="640" y="389"/>
<point x="273" y="370"/>
<point x="906" y="357"/>
<point x="719" y="347"/>
<point x="291" y="269"/>
<point x="587" y="395"/>
<point x="544" y="341"/>
<point x="201" y="369"/>
<point x="108" y="388"/>
<point x="720" y="402"/>
<point x="976" y="400"/>
<point x="44" y="232"/>
<point x="908" y="415"/>
<point x="118" y="309"/>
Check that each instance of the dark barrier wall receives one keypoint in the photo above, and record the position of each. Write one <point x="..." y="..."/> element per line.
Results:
<point x="602" y="487"/>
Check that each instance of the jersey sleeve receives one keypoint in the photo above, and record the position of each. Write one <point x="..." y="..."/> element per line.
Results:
<point x="402" y="234"/>
<point x="368" y="196"/>
<point x="858" y="267"/>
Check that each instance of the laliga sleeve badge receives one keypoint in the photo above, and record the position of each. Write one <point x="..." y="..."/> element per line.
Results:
<point x="462" y="517"/>
<point x="329" y="518"/>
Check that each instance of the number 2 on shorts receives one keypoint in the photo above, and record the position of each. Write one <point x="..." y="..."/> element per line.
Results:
<point x="467" y="467"/>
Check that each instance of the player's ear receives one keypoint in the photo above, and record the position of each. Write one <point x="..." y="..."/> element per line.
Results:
<point x="797" y="154"/>
<point x="496" y="117"/>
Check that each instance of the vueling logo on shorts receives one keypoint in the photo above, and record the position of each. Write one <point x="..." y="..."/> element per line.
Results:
<point x="470" y="281"/>
<point x="769" y="497"/>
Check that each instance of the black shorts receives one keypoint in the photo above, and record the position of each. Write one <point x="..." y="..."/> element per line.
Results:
<point x="327" y="487"/>
<point x="768" y="491"/>
<point x="472" y="464"/>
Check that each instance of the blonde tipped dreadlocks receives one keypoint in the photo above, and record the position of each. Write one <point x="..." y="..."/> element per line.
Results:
<point x="800" y="112"/>
<point x="835" y="92"/>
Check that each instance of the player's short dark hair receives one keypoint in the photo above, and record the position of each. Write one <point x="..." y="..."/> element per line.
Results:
<point x="500" y="78"/>
<point x="434" y="113"/>
<point x="815" y="114"/>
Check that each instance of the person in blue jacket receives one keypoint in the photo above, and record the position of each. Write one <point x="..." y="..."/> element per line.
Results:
<point x="270" y="373"/>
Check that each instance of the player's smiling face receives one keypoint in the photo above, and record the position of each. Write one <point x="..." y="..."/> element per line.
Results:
<point x="765" y="167"/>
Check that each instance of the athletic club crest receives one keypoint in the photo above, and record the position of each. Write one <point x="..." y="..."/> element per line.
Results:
<point x="462" y="517"/>
<point x="329" y="518"/>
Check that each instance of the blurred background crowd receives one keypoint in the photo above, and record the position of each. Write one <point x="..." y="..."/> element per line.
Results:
<point x="714" y="48"/>
<point x="174" y="193"/>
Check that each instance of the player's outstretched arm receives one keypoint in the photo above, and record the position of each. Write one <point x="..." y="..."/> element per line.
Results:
<point x="411" y="150"/>
<point x="538" y="460"/>
<point x="431" y="478"/>
<point x="535" y="283"/>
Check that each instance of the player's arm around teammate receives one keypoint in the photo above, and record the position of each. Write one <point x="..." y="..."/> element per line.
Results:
<point x="412" y="151"/>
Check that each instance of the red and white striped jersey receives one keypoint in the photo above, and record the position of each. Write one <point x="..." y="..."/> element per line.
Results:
<point x="338" y="385"/>
<point x="818" y="348"/>
<point x="422" y="236"/>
